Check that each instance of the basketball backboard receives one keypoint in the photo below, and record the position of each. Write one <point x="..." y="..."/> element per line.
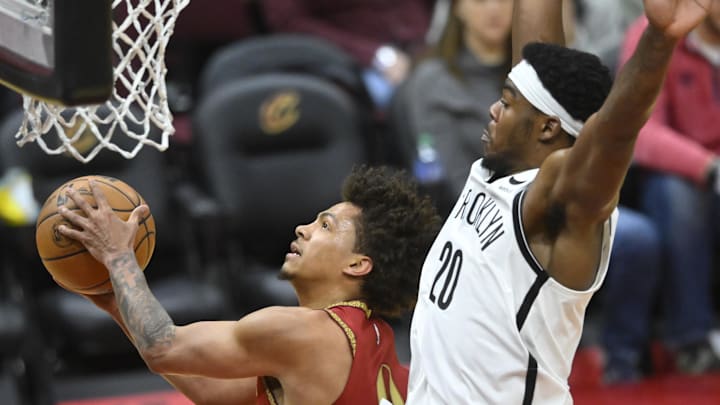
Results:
<point x="57" y="50"/>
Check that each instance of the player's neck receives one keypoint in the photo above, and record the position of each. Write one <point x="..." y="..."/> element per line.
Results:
<point x="318" y="296"/>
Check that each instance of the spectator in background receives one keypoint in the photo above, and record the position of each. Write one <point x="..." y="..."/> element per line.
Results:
<point x="628" y="296"/>
<point x="382" y="35"/>
<point x="680" y="144"/>
<point x="631" y="286"/>
<point x="449" y="94"/>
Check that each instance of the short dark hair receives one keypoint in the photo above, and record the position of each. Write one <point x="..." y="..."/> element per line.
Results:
<point x="395" y="228"/>
<point x="578" y="80"/>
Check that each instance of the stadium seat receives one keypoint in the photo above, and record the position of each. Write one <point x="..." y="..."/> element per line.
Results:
<point x="273" y="150"/>
<point x="284" y="53"/>
<point x="202" y="28"/>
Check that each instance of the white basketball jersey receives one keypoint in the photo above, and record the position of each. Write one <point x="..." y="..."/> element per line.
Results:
<point x="490" y="325"/>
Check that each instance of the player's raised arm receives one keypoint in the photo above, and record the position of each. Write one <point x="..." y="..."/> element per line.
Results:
<point x="536" y="21"/>
<point x="592" y="174"/>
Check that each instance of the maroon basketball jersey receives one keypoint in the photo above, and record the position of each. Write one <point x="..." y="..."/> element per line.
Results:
<point x="375" y="374"/>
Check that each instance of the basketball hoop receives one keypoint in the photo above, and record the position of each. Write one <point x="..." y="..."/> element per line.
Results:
<point x="137" y="108"/>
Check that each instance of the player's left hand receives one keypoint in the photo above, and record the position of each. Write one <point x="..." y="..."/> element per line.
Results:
<point x="676" y="18"/>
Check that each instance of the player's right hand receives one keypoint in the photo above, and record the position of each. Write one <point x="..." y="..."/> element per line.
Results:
<point x="676" y="18"/>
<point x="103" y="233"/>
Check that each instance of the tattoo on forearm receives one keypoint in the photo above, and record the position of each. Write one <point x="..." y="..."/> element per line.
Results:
<point x="146" y="320"/>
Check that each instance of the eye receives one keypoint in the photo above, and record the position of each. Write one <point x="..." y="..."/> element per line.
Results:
<point x="325" y="225"/>
<point x="503" y="103"/>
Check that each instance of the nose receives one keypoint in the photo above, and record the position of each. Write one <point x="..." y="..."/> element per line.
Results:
<point x="301" y="231"/>
<point x="495" y="111"/>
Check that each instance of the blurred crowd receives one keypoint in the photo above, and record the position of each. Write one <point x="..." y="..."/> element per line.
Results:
<point x="421" y="77"/>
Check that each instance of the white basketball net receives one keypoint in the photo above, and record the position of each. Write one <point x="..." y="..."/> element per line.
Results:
<point x="138" y="105"/>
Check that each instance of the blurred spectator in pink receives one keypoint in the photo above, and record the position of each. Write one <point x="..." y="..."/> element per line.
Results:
<point x="680" y="145"/>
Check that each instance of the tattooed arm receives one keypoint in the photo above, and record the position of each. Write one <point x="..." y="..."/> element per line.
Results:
<point x="200" y="390"/>
<point x="148" y="323"/>
<point x="110" y="240"/>
<point x="273" y="341"/>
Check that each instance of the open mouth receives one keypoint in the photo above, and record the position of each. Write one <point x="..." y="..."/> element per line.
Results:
<point x="295" y="249"/>
<point x="485" y="136"/>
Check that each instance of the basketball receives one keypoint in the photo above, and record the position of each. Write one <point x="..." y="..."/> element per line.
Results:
<point x="67" y="260"/>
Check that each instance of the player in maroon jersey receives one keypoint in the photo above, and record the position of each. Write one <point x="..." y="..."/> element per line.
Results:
<point x="357" y="262"/>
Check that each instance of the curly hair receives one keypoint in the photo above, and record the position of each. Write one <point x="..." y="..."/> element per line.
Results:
<point x="578" y="80"/>
<point x="395" y="228"/>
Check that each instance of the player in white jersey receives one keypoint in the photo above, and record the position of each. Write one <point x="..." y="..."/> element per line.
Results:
<point x="504" y="287"/>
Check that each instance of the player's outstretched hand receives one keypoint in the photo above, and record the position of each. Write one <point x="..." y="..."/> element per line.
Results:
<point x="102" y="232"/>
<point x="676" y="18"/>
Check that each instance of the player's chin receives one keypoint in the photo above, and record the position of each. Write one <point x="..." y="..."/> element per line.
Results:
<point x="489" y="152"/>
<point x="286" y="272"/>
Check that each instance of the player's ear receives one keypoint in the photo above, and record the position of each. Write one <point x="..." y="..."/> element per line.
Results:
<point x="549" y="129"/>
<point x="359" y="266"/>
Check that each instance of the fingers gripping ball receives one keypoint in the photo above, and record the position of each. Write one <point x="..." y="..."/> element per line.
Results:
<point x="67" y="260"/>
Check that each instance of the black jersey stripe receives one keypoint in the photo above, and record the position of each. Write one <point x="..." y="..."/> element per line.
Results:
<point x="520" y="234"/>
<point x="542" y="275"/>
<point x="529" y="300"/>
<point x="530" y="380"/>
<point x="530" y="296"/>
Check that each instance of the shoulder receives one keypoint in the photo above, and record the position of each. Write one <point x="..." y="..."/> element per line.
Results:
<point x="278" y="318"/>
<point x="538" y="198"/>
<point x="552" y="165"/>
<point x="349" y="318"/>
<point x="291" y="332"/>
<point x="285" y="328"/>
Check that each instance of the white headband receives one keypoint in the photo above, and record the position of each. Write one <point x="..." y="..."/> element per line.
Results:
<point x="525" y="78"/>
